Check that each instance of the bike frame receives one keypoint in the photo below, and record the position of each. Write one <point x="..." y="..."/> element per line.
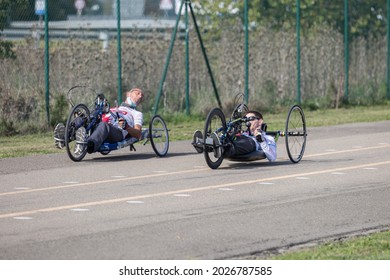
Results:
<point x="231" y="126"/>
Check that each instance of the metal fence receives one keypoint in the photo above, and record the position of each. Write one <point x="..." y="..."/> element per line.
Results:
<point x="113" y="45"/>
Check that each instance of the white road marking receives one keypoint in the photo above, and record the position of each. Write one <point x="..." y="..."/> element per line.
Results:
<point x="225" y="189"/>
<point x="266" y="183"/>
<point x="370" y="168"/>
<point x="79" y="209"/>
<point x="337" y="173"/>
<point x="182" y="194"/>
<point x="22" y="188"/>
<point x="94" y="183"/>
<point x="135" y="201"/>
<point x="302" y="178"/>
<point x="23" y="218"/>
<point x="333" y="152"/>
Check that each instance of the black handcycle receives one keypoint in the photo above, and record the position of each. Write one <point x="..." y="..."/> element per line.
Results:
<point x="88" y="114"/>
<point x="218" y="132"/>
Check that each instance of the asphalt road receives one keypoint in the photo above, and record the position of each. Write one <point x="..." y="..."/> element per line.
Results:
<point x="133" y="205"/>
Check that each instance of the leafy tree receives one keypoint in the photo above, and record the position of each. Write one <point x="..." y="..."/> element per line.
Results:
<point x="365" y="17"/>
<point x="368" y="17"/>
<point x="24" y="10"/>
<point x="6" y="7"/>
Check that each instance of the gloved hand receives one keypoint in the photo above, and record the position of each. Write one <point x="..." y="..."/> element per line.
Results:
<point x="122" y="123"/>
<point x="259" y="136"/>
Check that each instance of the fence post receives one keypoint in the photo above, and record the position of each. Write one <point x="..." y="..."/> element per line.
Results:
<point x="346" y="51"/>
<point x="246" y="53"/>
<point x="118" y="14"/>
<point x="167" y="61"/>
<point x="205" y="56"/>
<point x="187" y="60"/>
<point x="388" y="48"/>
<point x="47" y="81"/>
<point x="298" y="26"/>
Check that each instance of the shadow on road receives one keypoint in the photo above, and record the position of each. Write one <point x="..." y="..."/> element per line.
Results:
<point x="134" y="156"/>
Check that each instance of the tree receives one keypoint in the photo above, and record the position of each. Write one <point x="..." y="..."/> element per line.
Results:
<point x="24" y="10"/>
<point x="5" y="8"/>
<point x="365" y="17"/>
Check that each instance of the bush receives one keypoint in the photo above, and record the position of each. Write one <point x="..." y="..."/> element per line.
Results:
<point x="272" y="73"/>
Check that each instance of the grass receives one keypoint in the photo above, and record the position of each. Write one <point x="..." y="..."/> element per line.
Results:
<point x="182" y="128"/>
<point x="375" y="246"/>
<point x="27" y="145"/>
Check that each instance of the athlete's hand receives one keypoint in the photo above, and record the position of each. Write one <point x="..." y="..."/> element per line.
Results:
<point x="122" y="123"/>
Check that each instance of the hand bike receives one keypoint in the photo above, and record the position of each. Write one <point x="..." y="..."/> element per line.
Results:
<point x="218" y="132"/>
<point x="82" y="115"/>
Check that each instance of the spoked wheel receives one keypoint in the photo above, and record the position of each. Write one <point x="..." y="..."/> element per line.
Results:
<point x="82" y="94"/>
<point x="214" y="127"/>
<point x="78" y="117"/>
<point x="158" y="136"/>
<point x="295" y="133"/>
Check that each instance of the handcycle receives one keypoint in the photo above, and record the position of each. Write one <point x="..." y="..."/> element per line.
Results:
<point x="219" y="131"/>
<point x="81" y="115"/>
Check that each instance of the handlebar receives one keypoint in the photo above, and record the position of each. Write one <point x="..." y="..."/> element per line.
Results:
<point x="243" y="120"/>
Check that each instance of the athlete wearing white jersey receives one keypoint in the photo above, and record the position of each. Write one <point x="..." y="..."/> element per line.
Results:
<point x="128" y="123"/>
<point x="124" y="115"/>
<point x="254" y="139"/>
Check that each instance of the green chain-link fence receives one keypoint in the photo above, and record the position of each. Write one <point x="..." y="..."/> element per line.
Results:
<point x="83" y="48"/>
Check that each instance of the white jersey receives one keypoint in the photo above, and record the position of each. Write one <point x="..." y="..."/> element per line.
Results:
<point x="130" y="115"/>
<point x="268" y="146"/>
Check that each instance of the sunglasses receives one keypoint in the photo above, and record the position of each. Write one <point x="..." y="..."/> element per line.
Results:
<point x="252" y="118"/>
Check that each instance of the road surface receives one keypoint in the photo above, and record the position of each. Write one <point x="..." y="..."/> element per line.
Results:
<point x="134" y="205"/>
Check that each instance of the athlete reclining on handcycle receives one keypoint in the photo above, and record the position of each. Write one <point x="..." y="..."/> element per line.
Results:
<point x="254" y="139"/>
<point x="128" y="123"/>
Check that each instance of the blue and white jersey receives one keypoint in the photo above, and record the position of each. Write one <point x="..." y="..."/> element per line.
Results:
<point x="268" y="146"/>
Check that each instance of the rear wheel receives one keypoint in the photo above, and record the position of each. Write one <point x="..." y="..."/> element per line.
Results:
<point x="158" y="136"/>
<point x="79" y="116"/>
<point x="82" y="94"/>
<point x="215" y="126"/>
<point x="295" y="133"/>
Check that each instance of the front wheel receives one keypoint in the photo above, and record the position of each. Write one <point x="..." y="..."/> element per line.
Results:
<point x="158" y="136"/>
<point x="214" y="129"/>
<point x="295" y="133"/>
<point x="79" y="116"/>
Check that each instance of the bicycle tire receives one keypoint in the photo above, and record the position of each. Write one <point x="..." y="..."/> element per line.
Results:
<point x="82" y="94"/>
<point x="159" y="136"/>
<point x="215" y="125"/>
<point x="80" y="110"/>
<point x="295" y="133"/>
